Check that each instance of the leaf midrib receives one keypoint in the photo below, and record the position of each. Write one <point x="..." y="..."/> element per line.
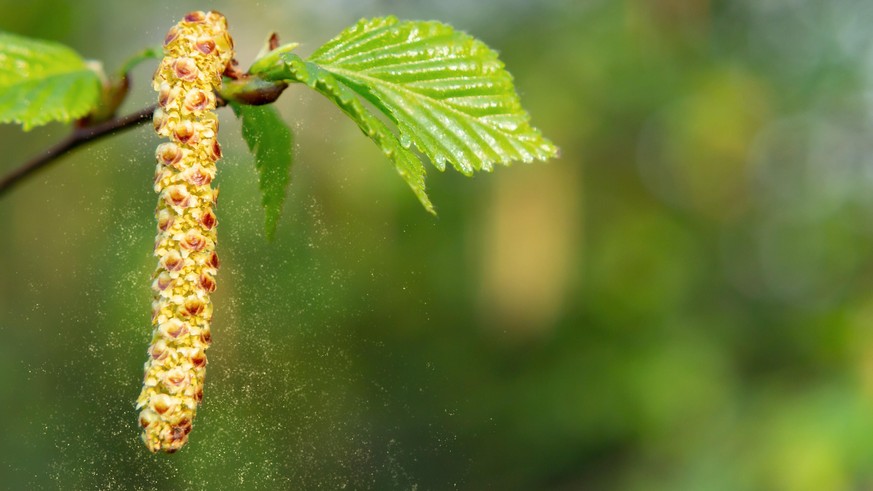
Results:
<point x="347" y="74"/>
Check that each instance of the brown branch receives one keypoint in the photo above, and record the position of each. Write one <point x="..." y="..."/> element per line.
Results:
<point x="79" y="137"/>
<point x="247" y="90"/>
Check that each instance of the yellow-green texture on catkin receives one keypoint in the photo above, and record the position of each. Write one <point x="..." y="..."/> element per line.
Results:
<point x="196" y="52"/>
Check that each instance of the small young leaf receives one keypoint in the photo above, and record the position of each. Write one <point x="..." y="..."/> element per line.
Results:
<point x="270" y="139"/>
<point x="41" y="81"/>
<point x="406" y="162"/>
<point x="149" y="53"/>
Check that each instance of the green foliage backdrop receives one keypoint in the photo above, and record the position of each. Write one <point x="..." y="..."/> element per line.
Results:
<point x="682" y="301"/>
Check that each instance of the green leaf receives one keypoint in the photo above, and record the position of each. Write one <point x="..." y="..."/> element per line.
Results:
<point x="406" y="162"/>
<point x="270" y="140"/>
<point x="41" y="81"/>
<point x="447" y="93"/>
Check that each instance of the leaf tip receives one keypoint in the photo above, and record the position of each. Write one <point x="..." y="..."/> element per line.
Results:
<point x="549" y="150"/>
<point x="428" y="206"/>
<point x="270" y="230"/>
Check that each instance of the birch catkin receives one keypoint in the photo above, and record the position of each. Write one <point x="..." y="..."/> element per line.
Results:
<point x="196" y="52"/>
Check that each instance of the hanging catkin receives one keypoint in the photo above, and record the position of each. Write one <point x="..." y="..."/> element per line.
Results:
<point x="196" y="52"/>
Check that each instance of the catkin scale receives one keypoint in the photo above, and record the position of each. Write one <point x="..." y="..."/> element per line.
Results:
<point x="196" y="52"/>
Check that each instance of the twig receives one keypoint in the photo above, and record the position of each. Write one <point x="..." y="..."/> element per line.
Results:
<point x="78" y="137"/>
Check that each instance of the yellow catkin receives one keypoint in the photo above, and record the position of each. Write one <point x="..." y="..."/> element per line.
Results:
<point x="196" y="52"/>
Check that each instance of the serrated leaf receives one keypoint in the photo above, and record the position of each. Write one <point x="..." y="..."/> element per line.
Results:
<point x="270" y="140"/>
<point x="406" y="162"/>
<point x="41" y="81"/>
<point x="447" y="92"/>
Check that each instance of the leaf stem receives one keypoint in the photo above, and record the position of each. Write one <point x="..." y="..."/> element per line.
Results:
<point x="79" y="137"/>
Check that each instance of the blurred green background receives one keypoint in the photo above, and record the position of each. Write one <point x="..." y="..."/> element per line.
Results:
<point x="682" y="301"/>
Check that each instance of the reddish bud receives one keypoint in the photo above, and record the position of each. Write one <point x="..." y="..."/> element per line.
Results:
<point x="198" y="176"/>
<point x="185" y="69"/>
<point x="183" y="426"/>
<point x="158" y="350"/>
<point x="156" y="311"/>
<point x="207" y="282"/>
<point x="193" y="306"/>
<point x="160" y="174"/>
<point x="167" y="94"/>
<point x="159" y="120"/>
<point x="173" y="328"/>
<point x="165" y="220"/>
<point x="162" y="403"/>
<point x="195" y="16"/>
<point x="175" y="378"/>
<point x="172" y="34"/>
<point x="198" y="359"/>
<point x="196" y="100"/>
<point x="146" y="419"/>
<point x="162" y="282"/>
<point x="193" y="241"/>
<point x="184" y="132"/>
<point x="215" y="151"/>
<point x="168" y="154"/>
<point x="208" y="219"/>
<point x="177" y="196"/>
<point x="172" y="261"/>
<point x="206" y="336"/>
<point x="213" y="260"/>
<point x="205" y="45"/>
